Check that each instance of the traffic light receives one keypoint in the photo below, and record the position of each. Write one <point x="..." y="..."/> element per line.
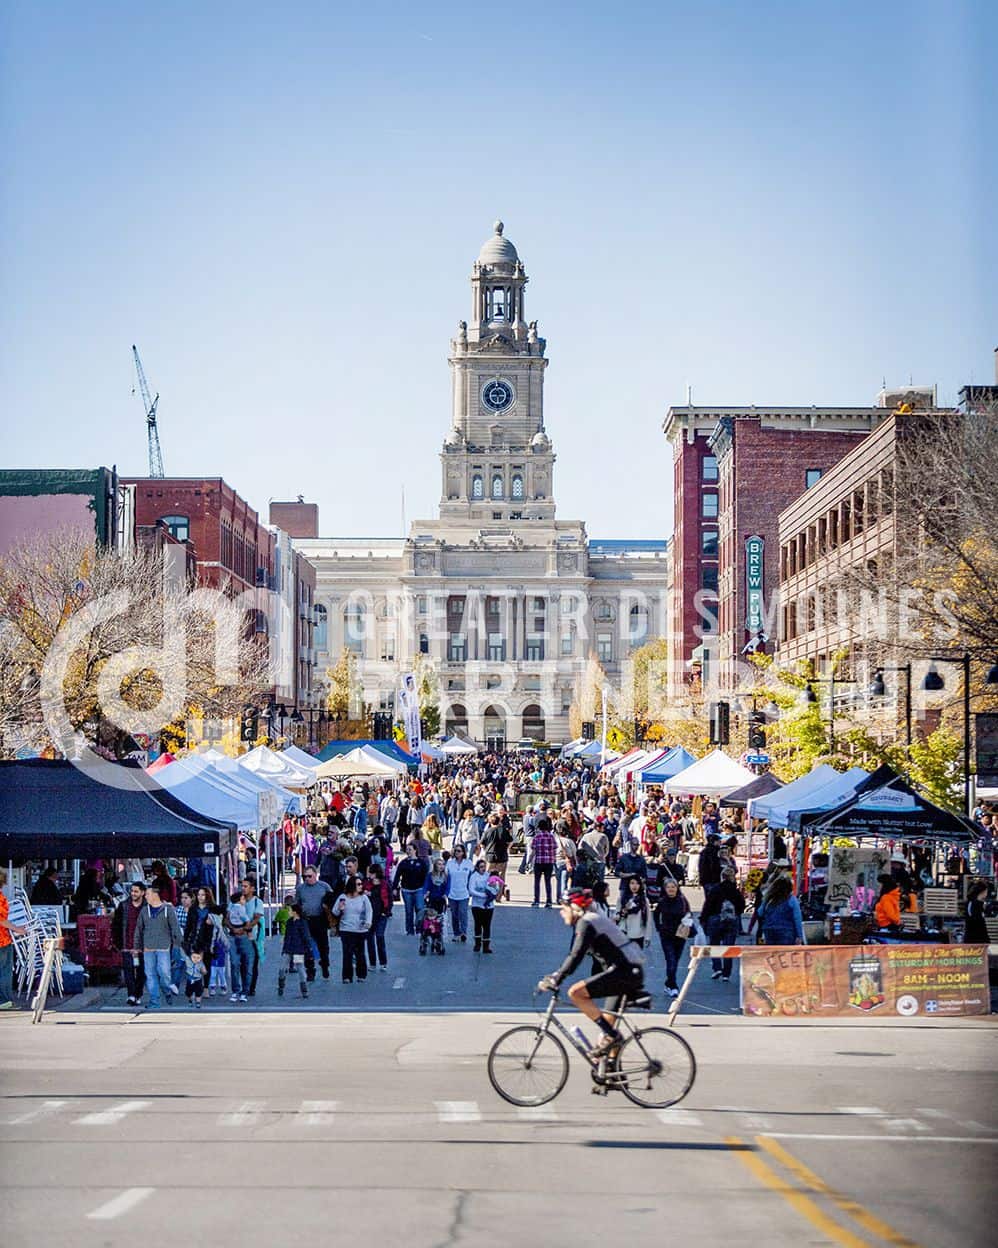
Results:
<point x="588" y="730"/>
<point x="720" y="723"/>
<point x="249" y="723"/>
<point x="757" y="731"/>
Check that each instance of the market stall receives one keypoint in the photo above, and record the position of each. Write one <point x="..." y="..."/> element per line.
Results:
<point x="715" y="776"/>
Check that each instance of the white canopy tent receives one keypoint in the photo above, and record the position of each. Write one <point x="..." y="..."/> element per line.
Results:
<point x="716" y="775"/>
<point x="357" y="763"/>
<point x="206" y="791"/>
<point x="272" y="766"/>
<point x="773" y="805"/>
<point x="291" y="803"/>
<point x="454" y="745"/>
<point x="394" y="765"/>
<point x="299" y="758"/>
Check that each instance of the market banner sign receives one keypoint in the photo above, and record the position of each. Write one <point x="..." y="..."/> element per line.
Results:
<point x="409" y="706"/>
<point x="754" y="606"/>
<point x="865" y="981"/>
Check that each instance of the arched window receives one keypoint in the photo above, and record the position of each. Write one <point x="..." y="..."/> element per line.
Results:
<point x="533" y="722"/>
<point x="179" y="526"/>
<point x="456" y="719"/>
<point x="517" y="490"/>
<point x="477" y="487"/>
<point x="497" y="485"/>
<point x="321" y="619"/>
<point x="354" y="626"/>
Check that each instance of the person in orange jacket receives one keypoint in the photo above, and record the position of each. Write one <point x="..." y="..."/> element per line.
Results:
<point x="887" y="911"/>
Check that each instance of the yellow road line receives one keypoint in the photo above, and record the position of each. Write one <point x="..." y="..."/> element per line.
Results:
<point x="869" y="1221"/>
<point x="802" y="1204"/>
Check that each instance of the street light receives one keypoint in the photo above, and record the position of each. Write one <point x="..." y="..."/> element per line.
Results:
<point x="878" y="690"/>
<point x="809" y="698"/>
<point x="934" y="682"/>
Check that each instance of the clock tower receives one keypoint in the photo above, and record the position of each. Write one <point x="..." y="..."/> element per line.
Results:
<point x="497" y="460"/>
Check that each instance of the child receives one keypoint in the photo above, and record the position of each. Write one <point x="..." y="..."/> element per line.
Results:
<point x="236" y="913"/>
<point x="218" y="982"/>
<point x="297" y="947"/>
<point x="282" y="917"/>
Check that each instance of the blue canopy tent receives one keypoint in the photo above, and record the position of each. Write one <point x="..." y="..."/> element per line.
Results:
<point x="391" y="748"/>
<point x="677" y="760"/>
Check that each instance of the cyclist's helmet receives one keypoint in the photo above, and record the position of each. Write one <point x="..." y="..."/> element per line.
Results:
<point x="581" y="897"/>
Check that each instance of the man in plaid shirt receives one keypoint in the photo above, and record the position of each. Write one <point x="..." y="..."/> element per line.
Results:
<point x="545" y="849"/>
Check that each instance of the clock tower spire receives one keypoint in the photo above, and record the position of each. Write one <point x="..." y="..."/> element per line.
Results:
<point x="497" y="460"/>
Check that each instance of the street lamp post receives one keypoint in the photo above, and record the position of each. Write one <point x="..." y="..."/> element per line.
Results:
<point x="810" y="698"/>
<point x="934" y="682"/>
<point x="878" y="690"/>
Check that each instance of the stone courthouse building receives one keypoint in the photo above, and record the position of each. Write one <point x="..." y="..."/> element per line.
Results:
<point x="505" y="602"/>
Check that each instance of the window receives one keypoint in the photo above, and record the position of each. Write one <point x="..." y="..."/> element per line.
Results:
<point x="516" y="515"/>
<point x="812" y="477"/>
<point x="709" y="467"/>
<point x="708" y="508"/>
<point x="566" y="644"/>
<point x="538" y="604"/>
<point x="604" y="647"/>
<point x="708" y="543"/>
<point x="638" y="624"/>
<point x="388" y="649"/>
<point x="421" y="604"/>
<point x="517" y="490"/>
<point x="708" y="577"/>
<point x="424" y="644"/>
<point x="533" y="722"/>
<point x="497" y="648"/>
<point x="457" y="648"/>
<point x="321" y="627"/>
<point x="497" y="515"/>
<point x="602" y="611"/>
<point x="535" y="649"/>
<point x="179" y="527"/>
<point x="353" y="627"/>
<point x="567" y="605"/>
<point x="477" y="487"/>
<point x="497" y="490"/>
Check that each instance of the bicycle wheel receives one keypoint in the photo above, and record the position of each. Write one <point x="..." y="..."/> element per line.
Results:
<point x="655" y="1068"/>
<point x="528" y="1066"/>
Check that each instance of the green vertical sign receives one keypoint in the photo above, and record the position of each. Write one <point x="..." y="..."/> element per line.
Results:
<point x="754" y="606"/>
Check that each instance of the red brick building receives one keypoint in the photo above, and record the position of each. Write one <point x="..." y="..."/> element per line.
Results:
<point x="235" y="552"/>
<point x="735" y="469"/>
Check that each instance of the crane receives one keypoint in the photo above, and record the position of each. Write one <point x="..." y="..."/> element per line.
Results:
<point x="149" y="406"/>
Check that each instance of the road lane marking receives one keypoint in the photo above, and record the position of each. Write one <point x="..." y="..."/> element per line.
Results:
<point x="678" y="1118"/>
<point x="536" y="1113"/>
<point x="319" y="1113"/>
<point x="968" y="1124"/>
<point x="878" y="1139"/>
<point x="797" y="1201"/>
<point x="862" y="1110"/>
<point x="859" y="1214"/>
<point x="247" y="1115"/>
<point x="399" y="983"/>
<point x="904" y="1124"/>
<point x="43" y="1110"/>
<point x="121" y="1203"/>
<point x="458" y="1111"/>
<point x="108" y="1117"/>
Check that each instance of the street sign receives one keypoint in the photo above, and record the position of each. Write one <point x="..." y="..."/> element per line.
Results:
<point x="757" y="760"/>
<point x="754" y="604"/>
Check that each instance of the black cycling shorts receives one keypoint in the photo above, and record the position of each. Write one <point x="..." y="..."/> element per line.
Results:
<point x="615" y="981"/>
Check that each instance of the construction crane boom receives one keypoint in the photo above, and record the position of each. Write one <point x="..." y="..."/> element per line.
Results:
<point x="149" y="406"/>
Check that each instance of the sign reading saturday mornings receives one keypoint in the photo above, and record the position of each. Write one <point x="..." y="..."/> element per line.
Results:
<point x="865" y="980"/>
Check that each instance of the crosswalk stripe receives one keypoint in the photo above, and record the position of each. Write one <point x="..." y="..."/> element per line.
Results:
<point x="246" y="1115"/>
<point x="121" y="1203"/>
<point x="318" y="1113"/>
<point x="862" y="1110"/>
<point x="458" y="1111"/>
<point x="678" y="1118"/>
<point x="108" y="1117"/>
<point x="399" y="983"/>
<point x="43" y="1110"/>
<point x="903" y="1124"/>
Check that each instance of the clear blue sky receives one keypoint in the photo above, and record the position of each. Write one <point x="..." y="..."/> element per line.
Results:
<point x="281" y="203"/>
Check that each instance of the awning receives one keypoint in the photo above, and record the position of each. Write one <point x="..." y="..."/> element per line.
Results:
<point x="760" y="786"/>
<point x="57" y="809"/>
<point x="717" y="775"/>
<point x="886" y="805"/>
<point x="206" y="791"/>
<point x="774" y="807"/>
<point x="360" y="762"/>
<point x="667" y="765"/>
<point x="294" y="755"/>
<point x="291" y="803"/>
<point x="828" y="797"/>
<point x="390" y="748"/>
<point x="272" y="766"/>
<point x="455" y="745"/>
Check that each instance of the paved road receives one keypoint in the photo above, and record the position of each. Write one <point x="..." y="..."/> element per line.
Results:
<point x="528" y="943"/>
<point x="266" y="1128"/>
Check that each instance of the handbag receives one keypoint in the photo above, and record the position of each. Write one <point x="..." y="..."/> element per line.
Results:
<point x="685" y="926"/>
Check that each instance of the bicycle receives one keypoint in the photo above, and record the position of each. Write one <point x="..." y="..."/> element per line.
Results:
<point x="653" y="1067"/>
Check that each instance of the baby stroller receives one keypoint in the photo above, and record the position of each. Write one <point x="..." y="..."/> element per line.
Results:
<point x="431" y="932"/>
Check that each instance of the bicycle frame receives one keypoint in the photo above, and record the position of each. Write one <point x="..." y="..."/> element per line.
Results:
<point x="550" y="1017"/>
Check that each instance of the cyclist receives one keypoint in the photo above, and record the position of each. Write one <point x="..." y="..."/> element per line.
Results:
<point x="621" y="959"/>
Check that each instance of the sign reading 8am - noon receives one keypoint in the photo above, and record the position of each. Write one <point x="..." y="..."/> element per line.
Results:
<point x="754" y="605"/>
<point x="866" y="980"/>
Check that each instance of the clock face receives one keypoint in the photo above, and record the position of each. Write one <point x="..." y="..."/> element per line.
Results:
<point x="497" y="395"/>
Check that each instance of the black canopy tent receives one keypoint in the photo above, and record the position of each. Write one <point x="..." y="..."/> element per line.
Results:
<point x="56" y="809"/>
<point x="759" y="787"/>
<point x="887" y="806"/>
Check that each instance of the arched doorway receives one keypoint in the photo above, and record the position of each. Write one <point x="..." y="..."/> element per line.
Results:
<point x="495" y="728"/>
<point x="456" y="720"/>
<point x="533" y="722"/>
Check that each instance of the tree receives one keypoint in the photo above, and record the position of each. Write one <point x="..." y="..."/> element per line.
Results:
<point x="344" y="700"/>
<point x="428" y="693"/>
<point x="105" y="643"/>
